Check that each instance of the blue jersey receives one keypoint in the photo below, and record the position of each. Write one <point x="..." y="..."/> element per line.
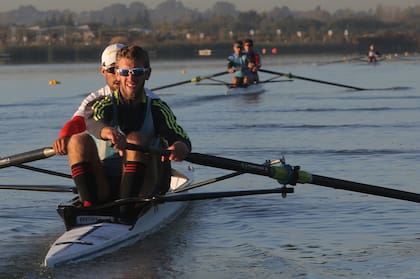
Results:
<point x="240" y="64"/>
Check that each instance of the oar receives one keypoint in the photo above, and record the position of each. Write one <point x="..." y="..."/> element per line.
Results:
<point x="211" y="84"/>
<point x="18" y="160"/>
<point x="274" y="81"/>
<point x="345" y="59"/>
<point x="286" y="174"/>
<point x="196" y="79"/>
<point x="26" y="157"/>
<point x="290" y="75"/>
<point x="40" y="170"/>
<point x="216" y="179"/>
<point x="193" y="197"/>
<point x="231" y="84"/>
<point x="41" y="188"/>
<point x="217" y="195"/>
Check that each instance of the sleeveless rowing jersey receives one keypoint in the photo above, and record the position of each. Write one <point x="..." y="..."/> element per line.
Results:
<point x="240" y="64"/>
<point x="105" y="150"/>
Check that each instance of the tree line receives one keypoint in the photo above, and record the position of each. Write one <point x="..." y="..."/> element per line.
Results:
<point x="171" y="22"/>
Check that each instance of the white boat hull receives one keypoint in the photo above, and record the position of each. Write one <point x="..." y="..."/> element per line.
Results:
<point x="250" y="89"/>
<point x="90" y="241"/>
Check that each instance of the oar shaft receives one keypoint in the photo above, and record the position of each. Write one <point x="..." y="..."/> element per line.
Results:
<point x="208" y="181"/>
<point x="196" y="79"/>
<point x="290" y="75"/>
<point x="171" y="85"/>
<point x="326" y="82"/>
<point x="229" y="164"/>
<point x="40" y="170"/>
<point x="41" y="188"/>
<point x="364" y="188"/>
<point x="25" y="157"/>
<point x="227" y="194"/>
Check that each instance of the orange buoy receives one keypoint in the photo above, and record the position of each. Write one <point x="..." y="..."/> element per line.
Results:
<point x="53" y="82"/>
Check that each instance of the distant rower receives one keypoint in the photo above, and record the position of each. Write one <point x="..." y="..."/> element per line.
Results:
<point x="372" y="54"/>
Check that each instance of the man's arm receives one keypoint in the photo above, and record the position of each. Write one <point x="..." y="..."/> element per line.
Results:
<point x="74" y="126"/>
<point x="167" y="126"/>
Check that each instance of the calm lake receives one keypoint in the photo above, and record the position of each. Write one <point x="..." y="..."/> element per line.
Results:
<point x="367" y="136"/>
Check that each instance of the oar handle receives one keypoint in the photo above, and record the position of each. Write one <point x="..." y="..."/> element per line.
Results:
<point x="26" y="157"/>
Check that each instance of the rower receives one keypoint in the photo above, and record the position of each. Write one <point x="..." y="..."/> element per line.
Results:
<point x="372" y="54"/>
<point x="254" y="60"/>
<point x="238" y="64"/>
<point x="131" y="114"/>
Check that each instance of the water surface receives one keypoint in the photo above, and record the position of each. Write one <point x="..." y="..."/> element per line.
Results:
<point x="316" y="232"/>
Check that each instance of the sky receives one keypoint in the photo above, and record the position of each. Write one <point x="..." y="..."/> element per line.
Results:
<point x="201" y="5"/>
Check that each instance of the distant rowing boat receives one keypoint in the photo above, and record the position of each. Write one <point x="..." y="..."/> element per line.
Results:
<point x="94" y="232"/>
<point x="256" y="88"/>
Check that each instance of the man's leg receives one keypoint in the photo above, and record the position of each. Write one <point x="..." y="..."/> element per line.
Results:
<point x="134" y="166"/>
<point x="87" y="170"/>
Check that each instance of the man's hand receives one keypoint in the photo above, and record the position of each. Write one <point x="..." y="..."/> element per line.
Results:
<point x="118" y="140"/>
<point x="60" y="145"/>
<point x="179" y="151"/>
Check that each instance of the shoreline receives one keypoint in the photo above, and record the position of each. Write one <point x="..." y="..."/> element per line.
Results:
<point x="179" y="51"/>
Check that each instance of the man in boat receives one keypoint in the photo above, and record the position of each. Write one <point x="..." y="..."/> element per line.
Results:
<point x="100" y="163"/>
<point x="238" y="64"/>
<point x="77" y="123"/>
<point x="372" y="54"/>
<point x="254" y="59"/>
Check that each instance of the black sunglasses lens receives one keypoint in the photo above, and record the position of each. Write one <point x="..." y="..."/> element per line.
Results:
<point x="111" y="70"/>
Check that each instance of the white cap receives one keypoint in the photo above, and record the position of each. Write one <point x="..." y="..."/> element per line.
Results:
<point x="109" y="55"/>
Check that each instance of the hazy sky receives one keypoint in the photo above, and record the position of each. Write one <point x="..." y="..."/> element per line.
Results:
<point x="258" y="5"/>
